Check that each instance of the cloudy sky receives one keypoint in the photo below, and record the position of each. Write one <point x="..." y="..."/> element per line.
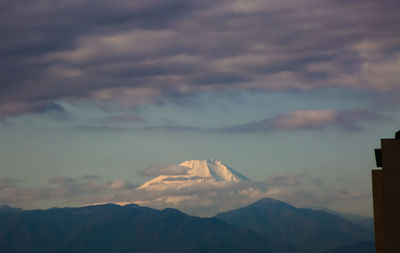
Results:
<point x="294" y="94"/>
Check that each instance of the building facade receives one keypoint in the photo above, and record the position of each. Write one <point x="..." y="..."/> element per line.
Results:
<point x="386" y="196"/>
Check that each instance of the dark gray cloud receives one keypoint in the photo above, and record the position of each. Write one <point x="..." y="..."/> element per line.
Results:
<point x="139" y="52"/>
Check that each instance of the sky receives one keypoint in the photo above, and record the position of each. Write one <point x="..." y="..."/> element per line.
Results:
<point x="294" y="94"/>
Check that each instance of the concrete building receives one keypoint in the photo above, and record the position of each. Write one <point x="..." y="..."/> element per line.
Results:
<point x="386" y="195"/>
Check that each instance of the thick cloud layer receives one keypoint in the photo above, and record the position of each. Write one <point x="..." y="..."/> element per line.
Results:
<point x="139" y="52"/>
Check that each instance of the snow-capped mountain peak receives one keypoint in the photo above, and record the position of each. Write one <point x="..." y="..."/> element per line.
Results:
<point x="195" y="171"/>
<point x="212" y="169"/>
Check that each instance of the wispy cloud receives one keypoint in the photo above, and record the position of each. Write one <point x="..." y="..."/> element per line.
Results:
<point x="61" y="190"/>
<point x="303" y="120"/>
<point x="323" y="197"/>
<point x="311" y="120"/>
<point x="123" y="118"/>
<point x="154" y="171"/>
<point x="62" y="180"/>
<point x="121" y="184"/>
<point x="286" y="180"/>
<point x="297" y="120"/>
<point x="9" y="182"/>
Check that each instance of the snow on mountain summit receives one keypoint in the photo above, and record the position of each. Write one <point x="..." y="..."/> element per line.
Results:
<point x="195" y="171"/>
<point x="214" y="169"/>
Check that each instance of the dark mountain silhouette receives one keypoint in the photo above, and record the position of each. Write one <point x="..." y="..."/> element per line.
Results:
<point x="8" y="210"/>
<point x="120" y="229"/>
<point x="362" y="221"/>
<point x="311" y="230"/>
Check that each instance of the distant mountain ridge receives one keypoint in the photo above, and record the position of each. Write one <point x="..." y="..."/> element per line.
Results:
<point x="360" y="220"/>
<point x="360" y="247"/>
<point x="267" y="225"/>
<point x="8" y="210"/>
<point x="123" y="229"/>
<point x="311" y="230"/>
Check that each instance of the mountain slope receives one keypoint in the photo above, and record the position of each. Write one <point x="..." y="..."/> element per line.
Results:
<point x="362" y="221"/>
<point x="311" y="230"/>
<point x="132" y="228"/>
